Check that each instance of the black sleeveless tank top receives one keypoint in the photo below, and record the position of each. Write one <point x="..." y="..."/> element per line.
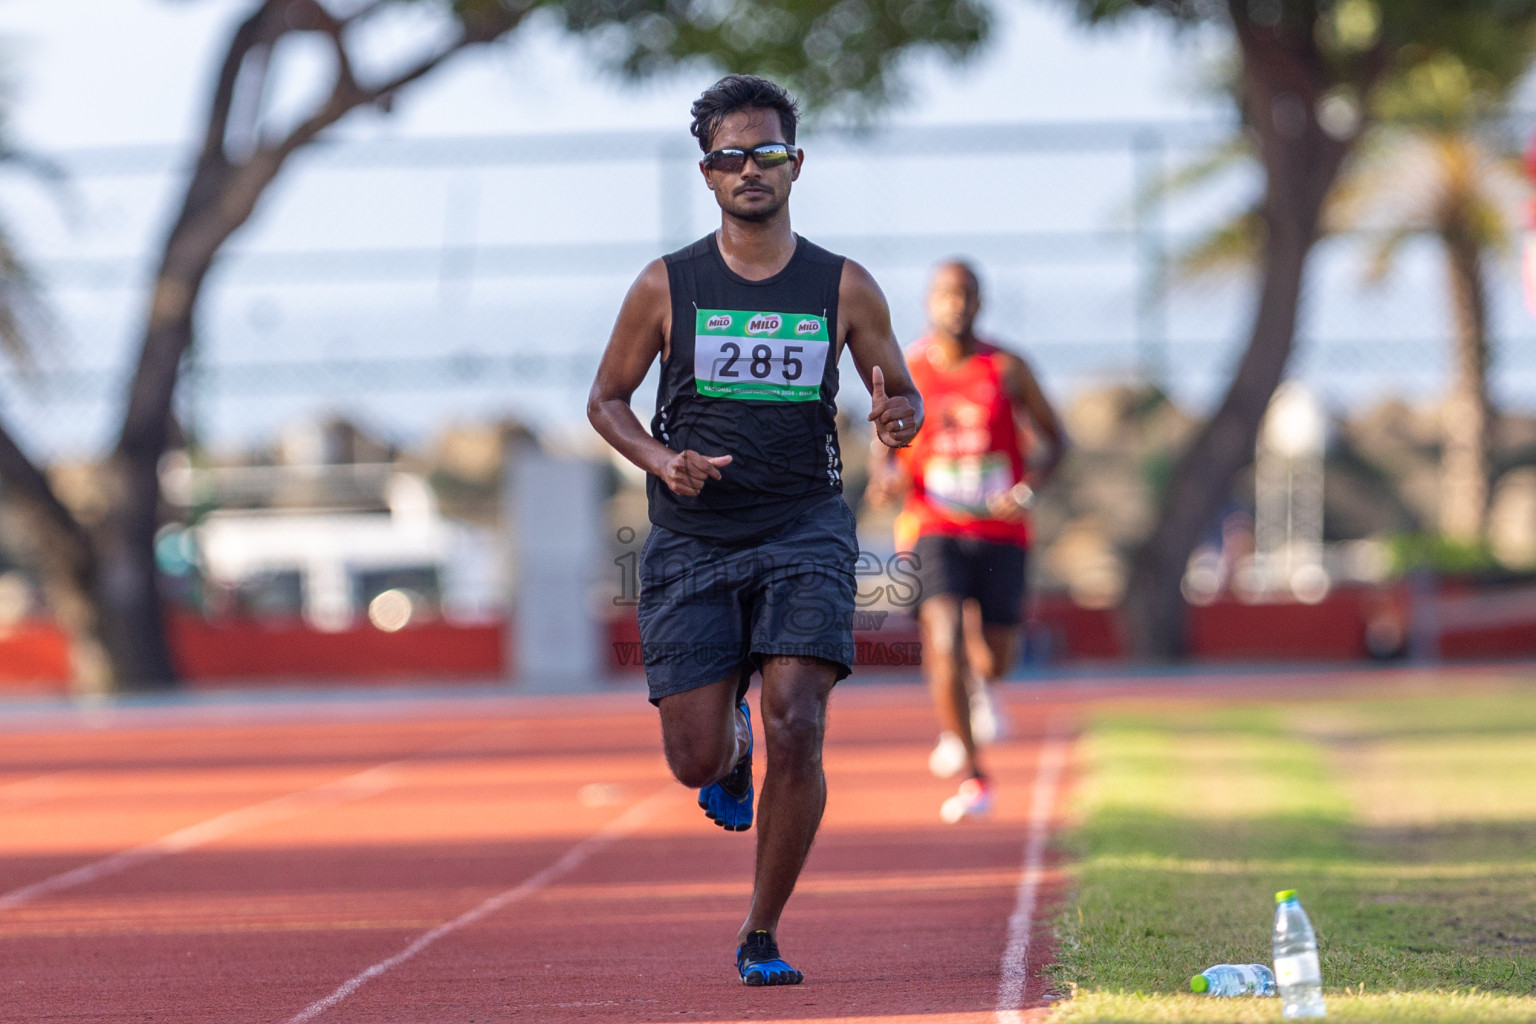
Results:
<point x="751" y="372"/>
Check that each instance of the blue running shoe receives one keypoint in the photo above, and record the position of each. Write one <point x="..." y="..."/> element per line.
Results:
<point x="759" y="963"/>
<point x="728" y="802"/>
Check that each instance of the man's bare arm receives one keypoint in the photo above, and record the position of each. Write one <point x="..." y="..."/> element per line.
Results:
<point x="1025" y="391"/>
<point x="865" y="324"/>
<point x="639" y="335"/>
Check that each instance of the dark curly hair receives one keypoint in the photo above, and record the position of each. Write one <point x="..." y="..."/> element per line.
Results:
<point x="742" y="92"/>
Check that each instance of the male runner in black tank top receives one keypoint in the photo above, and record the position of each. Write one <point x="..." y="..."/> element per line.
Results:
<point x="749" y="563"/>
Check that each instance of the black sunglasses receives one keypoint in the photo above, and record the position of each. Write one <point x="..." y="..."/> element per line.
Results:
<point x="770" y="154"/>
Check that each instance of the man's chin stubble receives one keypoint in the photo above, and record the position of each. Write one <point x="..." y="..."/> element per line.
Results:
<point x="756" y="217"/>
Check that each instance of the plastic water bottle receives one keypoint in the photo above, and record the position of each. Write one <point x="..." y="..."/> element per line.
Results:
<point x="1234" y="980"/>
<point x="1296" y="967"/>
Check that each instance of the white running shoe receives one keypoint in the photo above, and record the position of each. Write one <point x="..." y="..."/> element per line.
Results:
<point x="989" y="720"/>
<point x="948" y="756"/>
<point x="973" y="801"/>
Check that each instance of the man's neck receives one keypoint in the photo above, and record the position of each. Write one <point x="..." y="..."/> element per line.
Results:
<point x="956" y="347"/>
<point x="756" y="250"/>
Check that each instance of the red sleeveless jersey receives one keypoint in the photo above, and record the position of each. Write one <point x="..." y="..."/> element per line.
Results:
<point x="967" y="453"/>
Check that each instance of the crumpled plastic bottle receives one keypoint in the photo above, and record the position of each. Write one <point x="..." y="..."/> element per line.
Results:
<point x="1234" y="980"/>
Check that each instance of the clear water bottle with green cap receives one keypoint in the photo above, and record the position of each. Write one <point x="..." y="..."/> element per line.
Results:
<point x="1297" y="971"/>
<point x="1234" y="980"/>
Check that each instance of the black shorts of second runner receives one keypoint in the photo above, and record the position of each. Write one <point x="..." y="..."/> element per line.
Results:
<point x="710" y="612"/>
<point x="965" y="567"/>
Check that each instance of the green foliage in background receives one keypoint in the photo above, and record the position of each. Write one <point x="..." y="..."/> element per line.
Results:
<point x="831" y="53"/>
<point x="1441" y="554"/>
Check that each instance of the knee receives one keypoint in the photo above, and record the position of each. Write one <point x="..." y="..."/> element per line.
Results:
<point x="943" y="643"/>
<point x="696" y="764"/>
<point x="942" y="631"/>
<point x="794" y="734"/>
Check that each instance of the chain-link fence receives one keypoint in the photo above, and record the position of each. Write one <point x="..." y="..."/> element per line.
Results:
<point x="407" y="284"/>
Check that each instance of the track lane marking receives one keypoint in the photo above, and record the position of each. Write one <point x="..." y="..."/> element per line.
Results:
<point x="365" y="783"/>
<point x="1015" y="963"/>
<point x="353" y="787"/>
<point x="573" y="858"/>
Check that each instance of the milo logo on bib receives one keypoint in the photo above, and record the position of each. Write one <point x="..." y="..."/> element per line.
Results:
<point x="759" y="356"/>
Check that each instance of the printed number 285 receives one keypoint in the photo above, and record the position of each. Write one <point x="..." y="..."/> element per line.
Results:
<point x="762" y="361"/>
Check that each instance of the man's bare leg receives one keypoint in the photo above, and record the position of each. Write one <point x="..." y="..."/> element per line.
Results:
<point x="945" y="667"/>
<point x="989" y="647"/>
<point x="794" y="791"/>
<point x="989" y="652"/>
<point x="702" y="733"/>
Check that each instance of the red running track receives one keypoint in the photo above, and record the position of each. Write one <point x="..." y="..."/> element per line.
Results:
<point x="493" y="859"/>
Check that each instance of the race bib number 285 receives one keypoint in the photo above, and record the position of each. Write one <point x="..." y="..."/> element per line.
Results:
<point x="764" y="357"/>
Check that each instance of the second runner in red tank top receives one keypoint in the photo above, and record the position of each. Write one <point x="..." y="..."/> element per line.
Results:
<point x="968" y="452"/>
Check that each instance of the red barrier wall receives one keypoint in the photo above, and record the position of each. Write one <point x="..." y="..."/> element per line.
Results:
<point x="1331" y="630"/>
<point x="1472" y="622"/>
<point x="244" y="650"/>
<point x="34" y="657"/>
<point x="1073" y="633"/>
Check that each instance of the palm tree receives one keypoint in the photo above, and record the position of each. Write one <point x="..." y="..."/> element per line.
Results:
<point x="1432" y="169"/>
<point x="23" y="317"/>
<point x="1303" y="63"/>
<point x="1428" y="167"/>
<point x="24" y="320"/>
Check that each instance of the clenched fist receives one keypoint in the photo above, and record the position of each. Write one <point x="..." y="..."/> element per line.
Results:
<point x="687" y="471"/>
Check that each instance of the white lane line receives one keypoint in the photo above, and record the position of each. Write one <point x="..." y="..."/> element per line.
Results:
<point x="1015" y="965"/>
<point x="610" y="833"/>
<point x="353" y="787"/>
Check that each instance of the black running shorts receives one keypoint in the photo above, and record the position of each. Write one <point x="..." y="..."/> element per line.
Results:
<point x="964" y="567"/>
<point x="710" y="612"/>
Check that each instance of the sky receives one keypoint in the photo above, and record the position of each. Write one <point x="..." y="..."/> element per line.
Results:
<point x="113" y="72"/>
<point x="101" y="74"/>
<point x="93" y="74"/>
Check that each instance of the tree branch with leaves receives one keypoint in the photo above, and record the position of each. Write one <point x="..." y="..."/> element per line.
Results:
<point x="836" y="53"/>
<point x="1298" y="59"/>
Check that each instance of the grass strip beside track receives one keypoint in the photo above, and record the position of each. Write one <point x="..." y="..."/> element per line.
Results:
<point x="1408" y="827"/>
